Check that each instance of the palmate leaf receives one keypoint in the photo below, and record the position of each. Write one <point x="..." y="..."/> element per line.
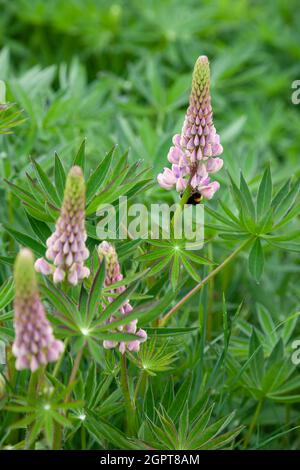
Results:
<point x="113" y="309"/>
<point x="43" y="411"/>
<point x="188" y="434"/>
<point x="262" y="219"/>
<point x="155" y="356"/>
<point x="265" y="375"/>
<point x="173" y="252"/>
<point x="144" y="314"/>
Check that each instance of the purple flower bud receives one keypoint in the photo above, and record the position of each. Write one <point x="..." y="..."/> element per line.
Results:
<point x="66" y="246"/>
<point x="209" y="190"/>
<point x="34" y="344"/>
<point x="198" y="142"/>
<point x="113" y="274"/>
<point x="214" y="165"/>
<point x="167" y="179"/>
<point x="41" y="266"/>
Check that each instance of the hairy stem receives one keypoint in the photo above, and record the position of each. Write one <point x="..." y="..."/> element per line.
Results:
<point x="203" y="282"/>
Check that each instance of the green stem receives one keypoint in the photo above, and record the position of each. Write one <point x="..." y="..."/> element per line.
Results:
<point x="141" y="383"/>
<point x="203" y="282"/>
<point x="74" y="370"/>
<point x="210" y="297"/>
<point x="83" y="438"/>
<point x="34" y="385"/>
<point x="183" y="200"/>
<point x="253" y="423"/>
<point x="57" y="438"/>
<point x="129" y="407"/>
<point x="59" y="362"/>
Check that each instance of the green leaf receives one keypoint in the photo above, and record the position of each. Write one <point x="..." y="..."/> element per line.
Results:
<point x="24" y="195"/>
<point x="59" y="176"/>
<point x="286" y="203"/>
<point x="26" y="240"/>
<point x="281" y="194"/>
<point x="80" y="156"/>
<point x="175" y="268"/>
<point x="61" y="302"/>
<point x="160" y="265"/>
<point x="256" y="357"/>
<point x="6" y="293"/>
<point x="190" y="268"/>
<point x="99" y="176"/>
<point x="266" y="323"/>
<point x="127" y="280"/>
<point x="247" y="198"/>
<point x="46" y="183"/>
<point x="256" y="260"/>
<point x="95" y="294"/>
<point x="40" y="228"/>
<point x="181" y="398"/>
<point x="264" y="195"/>
<point x="113" y="307"/>
<point x="205" y="438"/>
<point x="102" y="432"/>
<point x="218" y="216"/>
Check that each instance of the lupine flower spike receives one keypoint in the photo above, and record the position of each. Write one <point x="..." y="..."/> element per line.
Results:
<point x="113" y="274"/>
<point x="66" y="246"/>
<point x="34" y="344"/>
<point x="194" y="154"/>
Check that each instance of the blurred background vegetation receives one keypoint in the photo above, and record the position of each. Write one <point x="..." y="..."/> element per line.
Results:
<point x="121" y="71"/>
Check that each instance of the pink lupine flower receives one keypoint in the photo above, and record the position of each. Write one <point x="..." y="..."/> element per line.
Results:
<point x="34" y="344"/>
<point x="66" y="246"/>
<point x="194" y="151"/>
<point x="113" y="274"/>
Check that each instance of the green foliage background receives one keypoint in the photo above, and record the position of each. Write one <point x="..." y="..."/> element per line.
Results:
<point x="120" y="72"/>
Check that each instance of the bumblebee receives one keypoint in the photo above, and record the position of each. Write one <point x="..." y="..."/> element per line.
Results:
<point x="194" y="199"/>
